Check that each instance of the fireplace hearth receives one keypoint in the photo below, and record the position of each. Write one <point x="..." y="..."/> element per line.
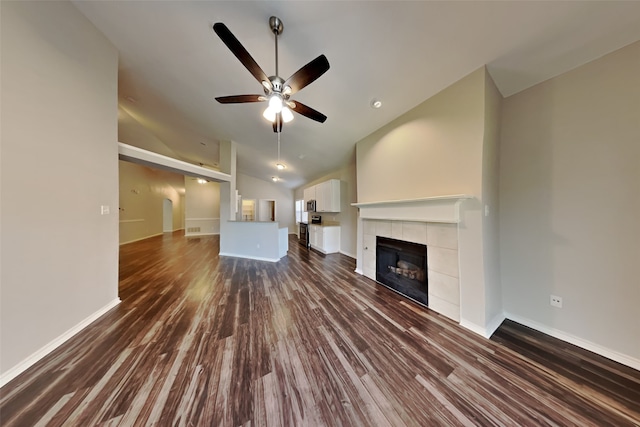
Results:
<point x="402" y="266"/>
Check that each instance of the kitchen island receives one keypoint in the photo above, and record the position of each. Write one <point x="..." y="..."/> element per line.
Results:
<point x="260" y="240"/>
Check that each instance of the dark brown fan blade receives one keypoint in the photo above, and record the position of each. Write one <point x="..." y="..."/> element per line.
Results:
<point x="240" y="52"/>
<point x="308" y="112"/>
<point x="277" y="125"/>
<point x="307" y="74"/>
<point x="237" y="99"/>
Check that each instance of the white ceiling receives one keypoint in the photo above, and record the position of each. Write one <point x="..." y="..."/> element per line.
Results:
<point x="172" y="66"/>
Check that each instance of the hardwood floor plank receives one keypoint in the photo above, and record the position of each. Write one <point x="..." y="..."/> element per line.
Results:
<point x="201" y="340"/>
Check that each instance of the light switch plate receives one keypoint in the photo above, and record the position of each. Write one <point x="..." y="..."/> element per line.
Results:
<point x="104" y="210"/>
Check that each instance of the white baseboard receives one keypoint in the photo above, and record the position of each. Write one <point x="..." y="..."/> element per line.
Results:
<point x="201" y="234"/>
<point x="257" y="258"/>
<point x="587" y="345"/>
<point x="348" y="254"/>
<point x="359" y="271"/>
<point x="142" y="238"/>
<point x="57" y="342"/>
<point x="472" y="327"/>
<point x="487" y="330"/>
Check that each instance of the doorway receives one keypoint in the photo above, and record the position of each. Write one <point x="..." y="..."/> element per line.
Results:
<point x="248" y="210"/>
<point x="267" y="210"/>
<point x="167" y="216"/>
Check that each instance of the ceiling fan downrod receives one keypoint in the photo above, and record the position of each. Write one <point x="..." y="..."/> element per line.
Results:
<point x="276" y="27"/>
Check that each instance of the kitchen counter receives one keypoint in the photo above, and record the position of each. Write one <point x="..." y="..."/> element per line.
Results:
<point x="328" y="224"/>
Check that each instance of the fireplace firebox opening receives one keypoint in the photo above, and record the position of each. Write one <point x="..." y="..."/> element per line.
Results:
<point x="402" y="266"/>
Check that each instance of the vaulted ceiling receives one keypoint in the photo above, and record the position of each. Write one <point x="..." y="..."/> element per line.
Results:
<point x="172" y="66"/>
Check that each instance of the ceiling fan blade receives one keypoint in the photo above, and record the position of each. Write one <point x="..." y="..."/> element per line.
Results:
<point x="240" y="52"/>
<point x="309" y="112"/>
<point x="237" y="99"/>
<point x="307" y="74"/>
<point x="277" y="124"/>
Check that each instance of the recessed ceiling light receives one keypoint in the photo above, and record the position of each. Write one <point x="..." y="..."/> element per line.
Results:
<point x="280" y="166"/>
<point x="376" y="103"/>
<point x="275" y="179"/>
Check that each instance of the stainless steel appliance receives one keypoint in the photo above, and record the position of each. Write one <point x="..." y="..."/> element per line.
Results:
<point x="316" y="219"/>
<point x="311" y="205"/>
<point x="304" y="234"/>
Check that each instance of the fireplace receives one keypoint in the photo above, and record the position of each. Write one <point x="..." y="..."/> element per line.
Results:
<point x="402" y="266"/>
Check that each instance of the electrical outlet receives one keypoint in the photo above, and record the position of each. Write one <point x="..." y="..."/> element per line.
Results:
<point x="556" y="301"/>
<point x="104" y="210"/>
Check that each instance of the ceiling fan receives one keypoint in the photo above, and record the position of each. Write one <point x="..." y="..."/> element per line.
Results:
<point x="277" y="91"/>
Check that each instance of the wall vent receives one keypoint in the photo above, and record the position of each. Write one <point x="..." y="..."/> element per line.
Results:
<point x="193" y="229"/>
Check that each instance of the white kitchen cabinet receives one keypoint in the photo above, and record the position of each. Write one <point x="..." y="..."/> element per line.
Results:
<point x="325" y="239"/>
<point x="328" y="196"/>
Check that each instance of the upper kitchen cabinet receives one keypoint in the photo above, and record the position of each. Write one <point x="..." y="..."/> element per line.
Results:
<point x="328" y="196"/>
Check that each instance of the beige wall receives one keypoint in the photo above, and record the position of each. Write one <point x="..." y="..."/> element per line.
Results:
<point x="434" y="149"/>
<point x="348" y="217"/>
<point x="59" y="166"/>
<point x="202" y="207"/>
<point x="142" y="192"/>
<point x="570" y="203"/>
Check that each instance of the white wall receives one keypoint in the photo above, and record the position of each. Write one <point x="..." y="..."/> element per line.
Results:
<point x="142" y="192"/>
<point x="348" y="216"/>
<point x="570" y="203"/>
<point x="59" y="166"/>
<point x="255" y="240"/>
<point x="254" y="188"/>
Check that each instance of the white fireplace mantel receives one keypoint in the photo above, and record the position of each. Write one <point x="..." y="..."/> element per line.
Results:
<point x="428" y="209"/>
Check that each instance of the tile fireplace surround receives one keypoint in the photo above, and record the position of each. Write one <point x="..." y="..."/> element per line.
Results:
<point x="430" y="221"/>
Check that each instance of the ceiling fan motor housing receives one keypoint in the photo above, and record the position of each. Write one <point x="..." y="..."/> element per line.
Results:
<point x="277" y="84"/>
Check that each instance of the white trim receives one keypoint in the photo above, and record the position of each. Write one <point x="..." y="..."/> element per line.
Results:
<point x="494" y="324"/>
<point x="359" y="271"/>
<point x="148" y="158"/>
<point x="147" y="237"/>
<point x="202" y="219"/>
<point x="347" y="254"/>
<point x="200" y="234"/>
<point x="57" y="342"/>
<point x="473" y="327"/>
<point x="422" y="199"/>
<point x="442" y="209"/>
<point x="487" y="330"/>
<point x="249" y="257"/>
<point x="132" y="220"/>
<point x="580" y="342"/>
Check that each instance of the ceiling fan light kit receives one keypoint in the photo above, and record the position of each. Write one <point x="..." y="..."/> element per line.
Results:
<point x="277" y="91"/>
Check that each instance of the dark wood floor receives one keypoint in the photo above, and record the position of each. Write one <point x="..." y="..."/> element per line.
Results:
<point x="209" y="341"/>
